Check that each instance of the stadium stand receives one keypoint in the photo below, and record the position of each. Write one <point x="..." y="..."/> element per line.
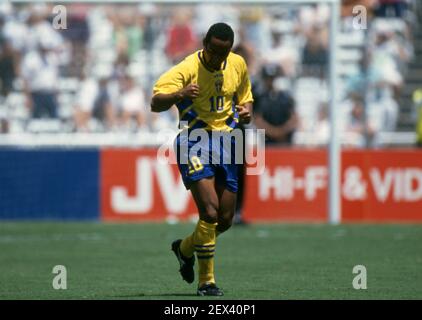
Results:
<point x="130" y="42"/>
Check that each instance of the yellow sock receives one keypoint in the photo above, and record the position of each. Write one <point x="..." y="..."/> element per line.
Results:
<point x="186" y="246"/>
<point x="204" y="242"/>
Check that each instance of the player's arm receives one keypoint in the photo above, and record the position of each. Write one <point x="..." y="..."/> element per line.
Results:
<point x="162" y="101"/>
<point x="244" y="94"/>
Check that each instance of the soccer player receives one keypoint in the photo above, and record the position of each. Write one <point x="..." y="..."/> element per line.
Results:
<point x="212" y="92"/>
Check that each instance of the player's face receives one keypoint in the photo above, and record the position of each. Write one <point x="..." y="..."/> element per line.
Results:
<point x="216" y="51"/>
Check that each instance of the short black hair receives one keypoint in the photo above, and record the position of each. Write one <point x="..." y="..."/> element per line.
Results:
<point x="221" y="31"/>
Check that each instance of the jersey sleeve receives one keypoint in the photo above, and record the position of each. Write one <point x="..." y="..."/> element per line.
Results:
<point x="173" y="80"/>
<point x="244" y="92"/>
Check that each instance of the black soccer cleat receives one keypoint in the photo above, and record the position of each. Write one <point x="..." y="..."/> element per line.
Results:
<point x="186" y="264"/>
<point x="209" y="289"/>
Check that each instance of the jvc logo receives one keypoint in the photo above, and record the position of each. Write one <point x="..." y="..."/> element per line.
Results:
<point x="175" y="196"/>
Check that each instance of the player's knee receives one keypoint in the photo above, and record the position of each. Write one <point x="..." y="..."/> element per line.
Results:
<point x="209" y="213"/>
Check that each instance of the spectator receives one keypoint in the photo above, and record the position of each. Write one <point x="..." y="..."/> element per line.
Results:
<point x="384" y="65"/>
<point x="321" y="127"/>
<point x="95" y="100"/>
<point x="4" y="126"/>
<point x="180" y="37"/>
<point x="14" y="30"/>
<point x="8" y="61"/>
<point x="393" y="43"/>
<point x="384" y="113"/>
<point x="8" y="57"/>
<point x="148" y="22"/>
<point x="348" y="6"/>
<point x="315" y="54"/>
<point x="132" y="103"/>
<point x="40" y="74"/>
<point x="283" y="53"/>
<point x="77" y="34"/>
<point x="39" y="29"/>
<point x="358" y="123"/>
<point x="391" y="8"/>
<point x="274" y="110"/>
<point x="362" y="79"/>
<point x="256" y="28"/>
<point x="311" y="15"/>
<point x="128" y="33"/>
<point x="381" y="103"/>
<point x="107" y="35"/>
<point x="246" y="51"/>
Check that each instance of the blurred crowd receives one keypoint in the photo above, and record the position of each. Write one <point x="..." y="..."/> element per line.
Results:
<point x="97" y="74"/>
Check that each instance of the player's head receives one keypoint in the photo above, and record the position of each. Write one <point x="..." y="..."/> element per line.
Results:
<point x="217" y="44"/>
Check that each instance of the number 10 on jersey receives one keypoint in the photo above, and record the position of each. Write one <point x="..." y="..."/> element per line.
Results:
<point x="216" y="103"/>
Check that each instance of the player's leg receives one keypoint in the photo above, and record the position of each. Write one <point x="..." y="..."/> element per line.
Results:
<point x="204" y="195"/>
<point x="226" y="209"/>
<point x="238" y="218"/>
<point x="227" y="187"/>
<point x="199" y="178"/>
<point x="202" y="240"/>
<point x="206" y="199"/>
<point x="192" y="174"/>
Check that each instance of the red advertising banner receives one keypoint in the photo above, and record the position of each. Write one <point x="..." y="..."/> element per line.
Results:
<point x="293" y="187"/>
<point x="135" y="186"/>
<point x="382" y="186"/>
<point x="376" y="186"/>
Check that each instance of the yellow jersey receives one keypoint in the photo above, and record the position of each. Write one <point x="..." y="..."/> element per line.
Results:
<point x="219" y="91"/>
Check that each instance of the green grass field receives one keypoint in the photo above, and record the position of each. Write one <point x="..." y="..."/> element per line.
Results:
<point x="134" y="261"/>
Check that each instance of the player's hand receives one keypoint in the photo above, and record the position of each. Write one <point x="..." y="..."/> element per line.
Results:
<point x="244" y="114"/>
<point x="189" y="92"/>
